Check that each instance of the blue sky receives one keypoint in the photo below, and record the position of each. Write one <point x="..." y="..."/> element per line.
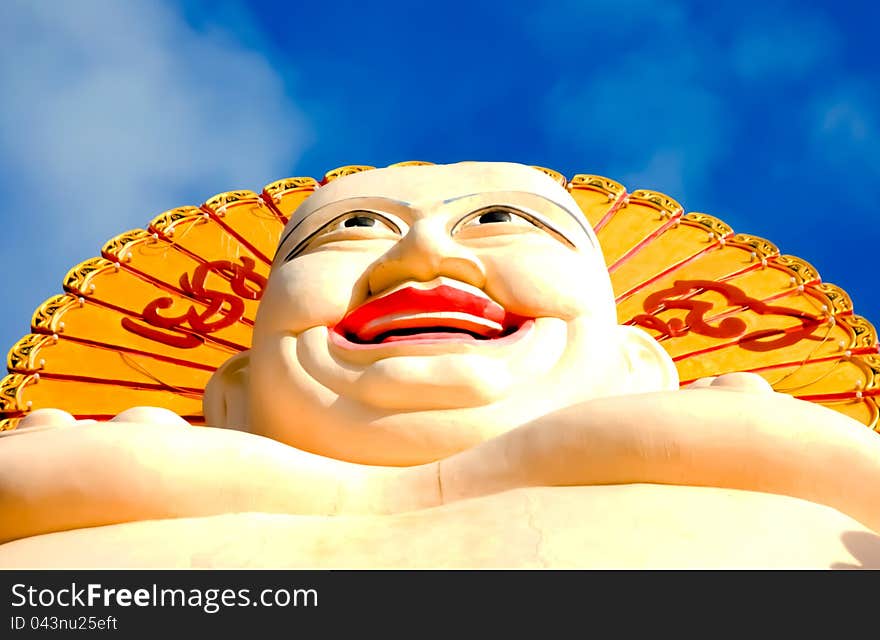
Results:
<point x="765" y="114"/>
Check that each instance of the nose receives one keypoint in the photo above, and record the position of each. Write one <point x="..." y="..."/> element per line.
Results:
<point x="426" y="252"/>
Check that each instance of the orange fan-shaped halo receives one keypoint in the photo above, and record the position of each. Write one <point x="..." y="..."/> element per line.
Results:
<point x="147" y="322"/>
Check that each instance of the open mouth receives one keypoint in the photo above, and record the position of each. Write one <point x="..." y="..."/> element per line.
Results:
<point x="441" y="313"/>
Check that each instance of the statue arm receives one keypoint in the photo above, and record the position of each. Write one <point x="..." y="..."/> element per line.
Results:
<point x="61" y="475"/>
<point x="87" y="475"/>
<point x="713" y="437"/>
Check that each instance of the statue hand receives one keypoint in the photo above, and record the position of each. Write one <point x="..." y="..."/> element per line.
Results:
<point x="740" y="381"/>
<point x="43" y="419"/>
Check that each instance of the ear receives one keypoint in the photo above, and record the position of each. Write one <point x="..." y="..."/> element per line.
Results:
<point x="225" y="403"/>
<point x="649" y="366"/>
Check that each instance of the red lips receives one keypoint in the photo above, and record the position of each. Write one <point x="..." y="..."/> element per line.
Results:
<point x="441" y="312"/>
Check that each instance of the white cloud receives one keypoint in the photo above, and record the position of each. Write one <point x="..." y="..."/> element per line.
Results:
<point x="115" y="111"/>
<point x="844" y="121"/>
<point x="783" y="48"/>
<point x="649" y="120"/>
<point x="664" y="170"/>
<point x="652" y="87"/>
<point x="638" y="97"/>
<point x="845" y="136"/>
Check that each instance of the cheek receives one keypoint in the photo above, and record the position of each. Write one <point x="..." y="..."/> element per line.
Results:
<point x="313" y="290"/>
<point x="540" y="282"/>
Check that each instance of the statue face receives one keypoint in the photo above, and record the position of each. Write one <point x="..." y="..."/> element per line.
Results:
<point x="413" y="312"/>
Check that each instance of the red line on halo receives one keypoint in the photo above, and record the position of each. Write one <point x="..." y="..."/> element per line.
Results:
<point x="271" y="204"/>
<point x="645" y="241"/>
<point x="156" y="356"/>
<point x="259" y="254"/>
<point x="147" y="386"/>
<point x="176" y="244"/>
<point x="623" y="296"/>
<point x="843" y="395"/>
<point x="610" y="213"/>
<point x="770" y="367"/>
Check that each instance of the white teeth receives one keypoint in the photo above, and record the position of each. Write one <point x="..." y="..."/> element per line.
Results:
<point x="454" y="319"/>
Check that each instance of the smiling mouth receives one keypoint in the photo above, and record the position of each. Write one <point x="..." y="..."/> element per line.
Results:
<point x="429" y="331"/>
<point x="438" y="314"/>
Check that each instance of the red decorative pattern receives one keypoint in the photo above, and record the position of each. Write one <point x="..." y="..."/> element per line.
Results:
<point x="682" y="295"/>
<point x="223" y="309"/>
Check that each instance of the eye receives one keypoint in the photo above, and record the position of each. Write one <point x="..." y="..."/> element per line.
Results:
<point x="495" y="216"/>
<point x="350" y="226"/>
<point x="359" y="221"/>
<point x="362" y="220"/>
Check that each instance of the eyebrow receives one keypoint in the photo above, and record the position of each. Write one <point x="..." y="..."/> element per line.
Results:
<point x="309" y="215"/>
<point x="578" y="217"/>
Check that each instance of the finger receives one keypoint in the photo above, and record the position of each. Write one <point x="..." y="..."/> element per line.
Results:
<point x="151" y="415"/>
<point x="702" y="383"/>
<point x="46" y="418"/>
<point x="742" y="381"/>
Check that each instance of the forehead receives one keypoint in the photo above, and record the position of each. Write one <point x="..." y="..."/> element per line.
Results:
<point x="432" y="184"/>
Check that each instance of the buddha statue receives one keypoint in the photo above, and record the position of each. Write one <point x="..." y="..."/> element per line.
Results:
<point x="437" y="378"/>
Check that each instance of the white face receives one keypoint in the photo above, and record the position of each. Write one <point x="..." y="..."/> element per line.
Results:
<point x="413" y="312"/>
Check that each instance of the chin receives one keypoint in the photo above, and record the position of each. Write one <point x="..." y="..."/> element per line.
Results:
<point x="429" y="374"/>
<point x="419" y="383"/>
<point x="354" y="433"/>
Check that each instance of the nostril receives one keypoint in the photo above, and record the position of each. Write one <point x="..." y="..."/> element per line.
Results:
<point x="426" y="252"/>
